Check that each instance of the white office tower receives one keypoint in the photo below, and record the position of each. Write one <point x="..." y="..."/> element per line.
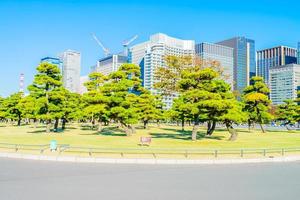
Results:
<point x="82" y="88"/>
<point x="110" y="64"/>
<point x="151" y="54"/>
<point x="71" y="70"/>
<point x="284" y="82"/>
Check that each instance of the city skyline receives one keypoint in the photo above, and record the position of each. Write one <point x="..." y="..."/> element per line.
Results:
<point x="31" y="32"/>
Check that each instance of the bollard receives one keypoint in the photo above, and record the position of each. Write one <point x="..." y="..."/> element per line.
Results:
<point x="216" y="153"/>
<point x="154" y="155"/>
<point x="282" y="152"/>
<point x="264" y="152"/>
<point x="242" y="153"/>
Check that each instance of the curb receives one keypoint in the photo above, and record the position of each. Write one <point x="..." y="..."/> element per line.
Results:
<point x="77" y="159"/>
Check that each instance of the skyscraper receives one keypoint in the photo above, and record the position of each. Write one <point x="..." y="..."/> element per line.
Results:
<point x="243" y="61"/>
<point x="277" y="56"/>
<point x="71" y="70"/>
<point x="298" y="57"/>
<point x="284" y="82"/>
<point x="220" y="53"/>
<point x="82" y="88"/>
<point x="110" y="64"/>
<point x="151" y="54"/>
<point x="54" y="61"/>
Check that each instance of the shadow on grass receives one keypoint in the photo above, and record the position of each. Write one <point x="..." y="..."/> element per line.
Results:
<point x="183" y="135"/>
<point x="109" y="131"/>
<point x="37" y="131"/>
<point x="52" y="131"/>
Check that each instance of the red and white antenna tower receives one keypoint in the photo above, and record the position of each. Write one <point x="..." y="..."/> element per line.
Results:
<point x="21" y="83"/>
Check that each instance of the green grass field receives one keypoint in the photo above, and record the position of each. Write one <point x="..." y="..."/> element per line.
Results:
<point x="164" y="137"/>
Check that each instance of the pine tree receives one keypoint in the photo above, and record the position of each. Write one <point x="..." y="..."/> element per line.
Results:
<point x="45" y="89"/>
<point x="257" y="103"/>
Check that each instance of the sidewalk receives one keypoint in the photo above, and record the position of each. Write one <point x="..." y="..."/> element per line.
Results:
<point x="148" y="161"/>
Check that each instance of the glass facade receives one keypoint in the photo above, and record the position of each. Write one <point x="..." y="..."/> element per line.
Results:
<point x="54" y="61"/>
<point x="277" y="56"/>
<point x="222" y="54"/>
<point x="244" y="61"/>
<point x="298" y="57"/>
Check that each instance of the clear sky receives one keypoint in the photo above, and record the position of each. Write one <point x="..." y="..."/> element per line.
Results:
<point x="32" y="29"/>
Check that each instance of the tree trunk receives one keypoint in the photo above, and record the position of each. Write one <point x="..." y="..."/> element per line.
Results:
<point x="208" y="127"/>
<point x="63" y="124"/>
<point x="48" y="126"/>
<point x="19" y="120"/>
<point x="35" y="123"/>
<point x="132" y="129"/>
<point x="158" y="124"/>
<point x="232" y="131"/>
<point x="182" y="123"/>
<point x="262" y="128"/>
<point x="56" y="124"/>
<point x="93" y="123"/>
<point x="212" y="128"/>
<point x="127" y="130"/>
<point x="286" y="126"/>
<point x="99" y="126"/>
<point x="249" y="126"/>
<point x="145" y="124"/>
<point x="195" y="130"/>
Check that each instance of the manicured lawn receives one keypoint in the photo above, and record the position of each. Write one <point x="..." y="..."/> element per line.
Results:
<point x="164" y="137"/>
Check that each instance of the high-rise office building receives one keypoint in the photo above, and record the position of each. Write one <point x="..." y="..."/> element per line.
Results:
<point x="298" y="50"/>
<point x="219" y="53"/>
<point x="284" y="82"/>
<point x="82" y="88"/>
<point x="54" y="61"/>
<point x="243" y="61"/>
<point x="272" y="57"/>
<point x="151" y="54"/>
<point x="71" y="70"/>
<point x="110" y="64"/>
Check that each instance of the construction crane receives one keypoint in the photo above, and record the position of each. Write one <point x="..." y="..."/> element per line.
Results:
<point x="106" y="50"/>
<point x="127" y="42"/>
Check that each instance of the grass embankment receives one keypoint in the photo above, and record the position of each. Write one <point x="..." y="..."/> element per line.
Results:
<point x="163" y="137"/>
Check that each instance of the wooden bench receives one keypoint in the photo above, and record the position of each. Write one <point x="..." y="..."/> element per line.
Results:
<point x="145" y="141"/>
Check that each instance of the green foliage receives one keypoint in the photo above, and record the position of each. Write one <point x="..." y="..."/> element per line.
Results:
<point x="257" y="103"/>
<point x="121" y="93"/>
<point x="49" y="94"/>
<point x="28" y="106"/>
<point x="169" y="76"/>
<point x="149" y="107"/>
<point x="95" y="102"/>
<point x="287" y="113"/>
<point x="180" y="111"/>
<point x="207" y="97"/>
<point x="10" y="108"/>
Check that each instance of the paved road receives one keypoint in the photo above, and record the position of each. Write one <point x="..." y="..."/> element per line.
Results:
<point x="44" y="180"/>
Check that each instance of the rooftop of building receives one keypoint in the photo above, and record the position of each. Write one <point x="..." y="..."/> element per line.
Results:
<point x="213" y="44"/>
<point x="276" y="47"/>
<point x="285" y="66"/>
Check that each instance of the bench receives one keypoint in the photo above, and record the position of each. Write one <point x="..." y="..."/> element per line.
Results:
<point x="145" y="141"/>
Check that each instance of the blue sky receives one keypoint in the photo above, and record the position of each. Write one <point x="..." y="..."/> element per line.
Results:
<point x="32" y="29"/>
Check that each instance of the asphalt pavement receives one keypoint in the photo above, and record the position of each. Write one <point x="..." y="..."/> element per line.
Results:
<point x="48" y="180"/>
